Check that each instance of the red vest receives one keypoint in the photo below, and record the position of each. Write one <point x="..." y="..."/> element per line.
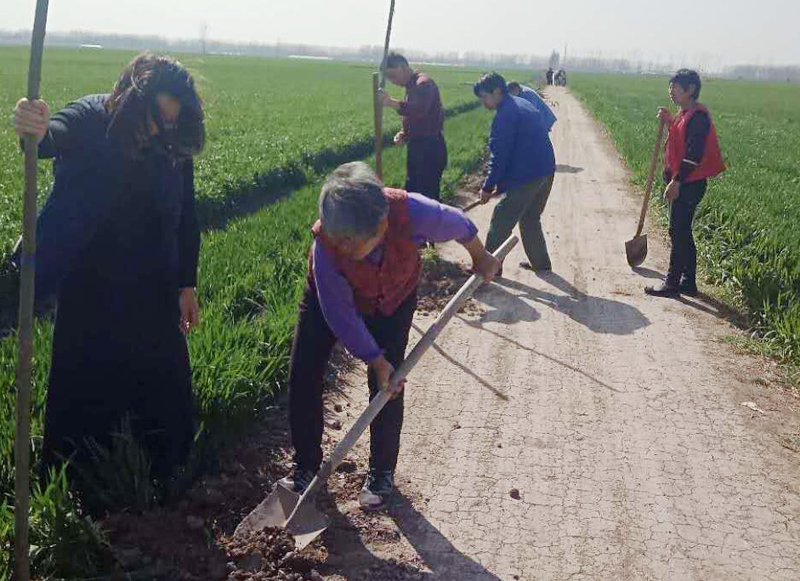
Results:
<point x="675" y="149"/>
<point x="383" y="287"/>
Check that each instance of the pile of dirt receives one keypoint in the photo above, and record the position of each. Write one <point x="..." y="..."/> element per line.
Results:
<point x="270" y="555"/>
<point x="191" y="540"/>
<point x="441" y="280"/>
<point x="185" y="540"/>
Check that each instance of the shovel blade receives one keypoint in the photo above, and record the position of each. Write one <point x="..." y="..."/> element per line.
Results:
<point x="275" y="510"/>
<point x="307" y="524"/>
<point x="636" y="250"/>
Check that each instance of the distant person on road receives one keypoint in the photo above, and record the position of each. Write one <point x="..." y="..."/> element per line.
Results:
<point x="118" y="244"/>
<point x="691" y="156"/>
<point x="549" y="75"/>
<point x="522" y="166"/>
<point x="561" y="78"/>
<point x="423" y="123"/>
<point x="532" y="97"/>
<point x="364" y="267"/>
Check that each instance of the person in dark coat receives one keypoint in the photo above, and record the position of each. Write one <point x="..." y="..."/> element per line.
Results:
<point x="118" y="245"/>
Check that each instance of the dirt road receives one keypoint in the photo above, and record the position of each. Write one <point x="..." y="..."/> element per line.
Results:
<point x="579" y="430"/>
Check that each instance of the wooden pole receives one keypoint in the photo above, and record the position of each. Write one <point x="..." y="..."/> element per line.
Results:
<point x="26" y="297"/>
<point x="378" y="83"/>
<point x="386" y="45"/>
<point x="378" y="111"/>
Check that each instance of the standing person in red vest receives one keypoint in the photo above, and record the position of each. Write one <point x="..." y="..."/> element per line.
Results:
<point x="692" y="155"/>
<point x="423" y="122"/>
<point x="364" y="267"/>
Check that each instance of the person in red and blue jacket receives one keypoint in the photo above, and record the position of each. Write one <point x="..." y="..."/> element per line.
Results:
<point x="364" y="267"/>
<point x="691" y="156"/>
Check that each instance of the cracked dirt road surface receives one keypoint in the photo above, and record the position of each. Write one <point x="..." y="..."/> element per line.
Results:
<point x="577" y="429"/>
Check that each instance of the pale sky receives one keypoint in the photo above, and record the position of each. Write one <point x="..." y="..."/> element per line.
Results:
<point x="707" y="33"/>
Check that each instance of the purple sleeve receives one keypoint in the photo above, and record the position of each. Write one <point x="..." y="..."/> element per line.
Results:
<point x="339" y="307"/>
<point x="435" y="222"/>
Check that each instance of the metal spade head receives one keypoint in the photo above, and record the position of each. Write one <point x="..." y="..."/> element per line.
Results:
<point x="636" y="249"/>
<point x="275" y="511"/>
<point x="306" y="524"/>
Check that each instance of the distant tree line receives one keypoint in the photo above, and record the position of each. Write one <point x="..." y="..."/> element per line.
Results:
<point x="373" y="53"/>
<point x="790" y="74"/>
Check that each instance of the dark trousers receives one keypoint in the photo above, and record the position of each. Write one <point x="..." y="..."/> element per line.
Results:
<point x="425" y="163"/>
<point x="524" y="206"/>
<point x="96" y="385"/>
<point x="683" y="258"/>
<point x="311" y="349"/>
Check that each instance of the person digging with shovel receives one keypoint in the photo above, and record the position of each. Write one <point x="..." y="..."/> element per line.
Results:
<point x="691" y="156"/>
<point x="364" y="267"/>
<point x="522" y="165"/>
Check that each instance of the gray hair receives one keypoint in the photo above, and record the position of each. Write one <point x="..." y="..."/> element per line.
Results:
<point x="352" y="204"/>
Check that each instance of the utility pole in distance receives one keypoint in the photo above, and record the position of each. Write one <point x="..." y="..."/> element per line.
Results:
<point x="203" y="36"/>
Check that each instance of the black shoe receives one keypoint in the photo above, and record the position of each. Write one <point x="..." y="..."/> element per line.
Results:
<point x="543" y="268"/>
<point x="298" y="480"/>
<point x="687" y="288"/>
<point x="662" y="290"/>
<point x="377" y="488"/>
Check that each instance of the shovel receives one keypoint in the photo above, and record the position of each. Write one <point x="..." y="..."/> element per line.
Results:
<point x="476" y="203"/>
<point x="378" y="84"/>
<point x="298" y="514"/>
<point x="471" y="205"/>
<point x="636" y="248"/>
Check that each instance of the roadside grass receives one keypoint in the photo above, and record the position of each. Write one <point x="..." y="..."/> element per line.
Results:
<point x="746" y="227"/>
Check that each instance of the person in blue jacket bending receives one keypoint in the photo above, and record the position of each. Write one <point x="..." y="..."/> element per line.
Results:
<point x="522" y="166"/>
<point x="532" y="97"/>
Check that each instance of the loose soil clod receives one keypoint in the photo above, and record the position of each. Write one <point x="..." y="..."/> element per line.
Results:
<point x="441" y="280"/>
<point x="270" y="554"/>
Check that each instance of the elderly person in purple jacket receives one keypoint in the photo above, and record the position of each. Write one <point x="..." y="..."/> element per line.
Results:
<point x="364" y="268"/>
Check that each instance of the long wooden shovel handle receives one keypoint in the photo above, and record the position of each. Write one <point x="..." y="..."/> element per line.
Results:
<point x="380" y="400"/>
<point x="26" y="297"/>
<point x="476" y="203"/>
<point x="651" y="177"/>
<point x="472" y="205"/>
